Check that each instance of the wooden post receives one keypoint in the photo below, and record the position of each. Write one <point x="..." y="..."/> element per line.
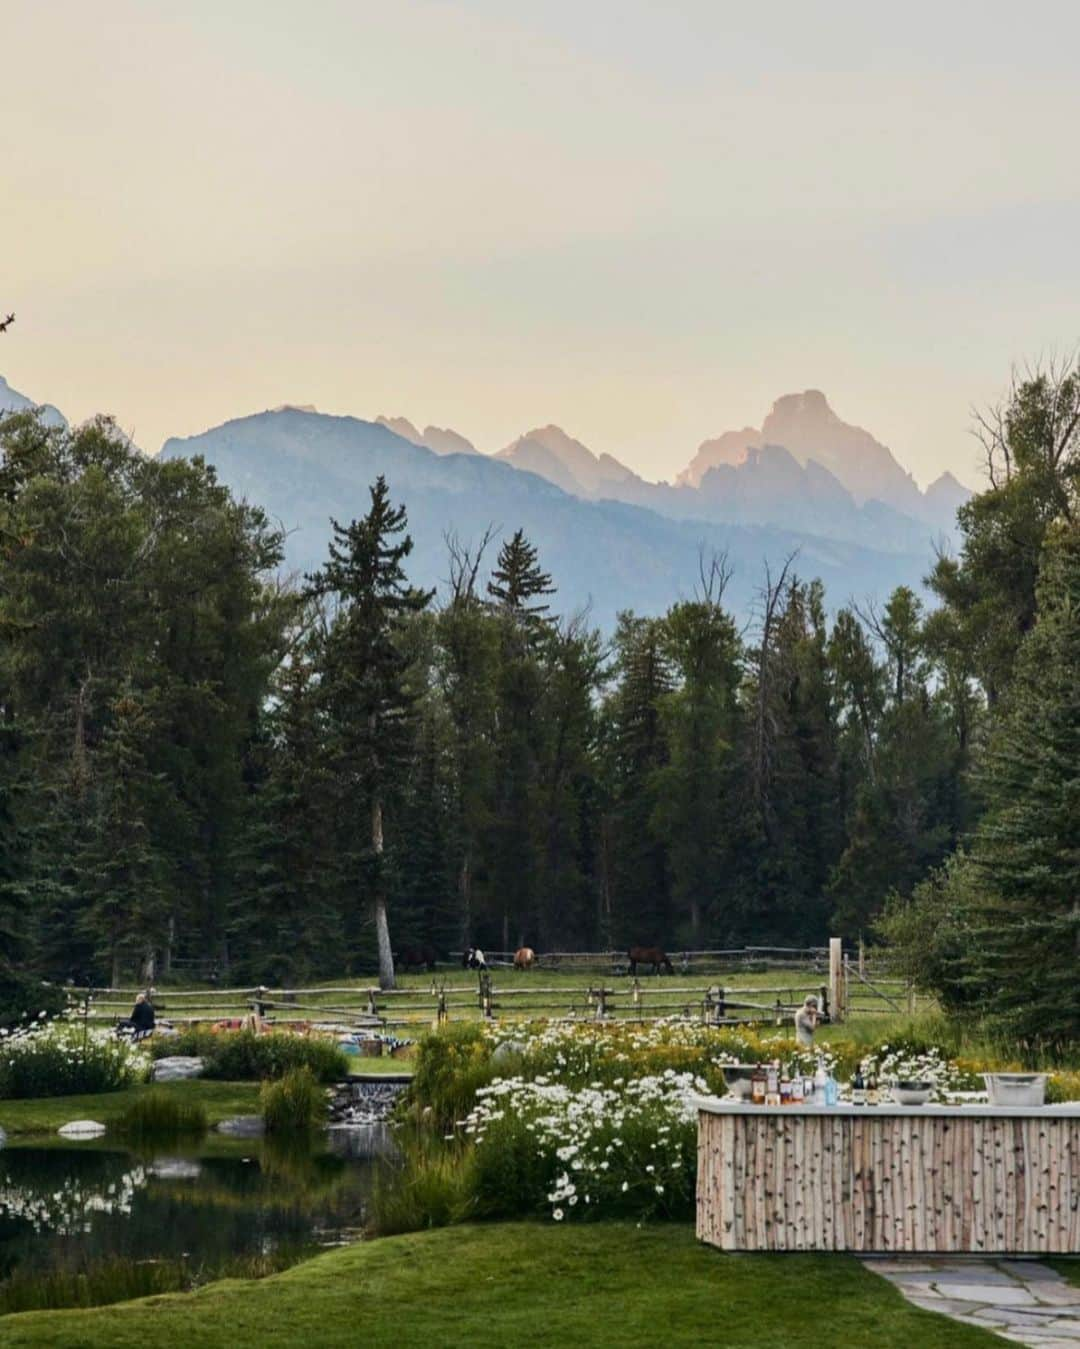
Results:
<point x="911" y="998"/>
<point x="837" y="999"/>
<point x="862" y="959"/>
<point x="372" y="1006"/>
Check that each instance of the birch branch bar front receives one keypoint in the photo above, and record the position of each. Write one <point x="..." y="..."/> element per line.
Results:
<point x="889" y="1178"/>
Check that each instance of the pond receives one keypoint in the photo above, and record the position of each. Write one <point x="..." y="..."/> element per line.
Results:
<point x="84" y="1225"/>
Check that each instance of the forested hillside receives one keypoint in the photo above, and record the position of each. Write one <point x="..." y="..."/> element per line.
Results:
<point x="200" y="763"/>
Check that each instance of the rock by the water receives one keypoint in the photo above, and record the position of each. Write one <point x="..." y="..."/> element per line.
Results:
<point x="243" y="1126"/>
<point x="82" y="1128"/>
<point x="364" y="1103"/>
<point x="177" y="1068"/>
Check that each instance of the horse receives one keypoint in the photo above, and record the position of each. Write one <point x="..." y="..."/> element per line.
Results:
<point x="422" y="957"/>
<point x="524" y="958"/>
<point x="473" y="959"/>
<point x="649" y="955"/>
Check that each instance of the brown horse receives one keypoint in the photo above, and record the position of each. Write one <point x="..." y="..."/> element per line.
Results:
<point x="524" y="958"/>
<point x="648" y="955"/>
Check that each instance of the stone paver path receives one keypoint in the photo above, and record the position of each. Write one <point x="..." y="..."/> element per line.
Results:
<point x="1021" y="1300"/>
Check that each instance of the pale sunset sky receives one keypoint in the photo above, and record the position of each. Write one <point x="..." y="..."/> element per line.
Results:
<point x="643" y="221"/>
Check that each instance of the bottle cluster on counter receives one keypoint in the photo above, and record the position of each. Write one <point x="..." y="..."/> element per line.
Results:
<point x="775" y="1086"/>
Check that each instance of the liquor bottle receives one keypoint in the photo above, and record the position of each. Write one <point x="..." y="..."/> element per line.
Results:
<point x="798" y="1095"/>
<point x="832" y="1091"/>
<point x="871" y="1088"/>
<point x="821" y="1078"/>
<point x="757" y="1086"/>
<point x="858" y="1087"/>
<point x="772" y="1084"/>
<point x="785" y="1090"/>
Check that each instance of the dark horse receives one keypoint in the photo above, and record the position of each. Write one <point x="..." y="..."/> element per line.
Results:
<point x="648" y="955"/>
<point x="419" y="957"/>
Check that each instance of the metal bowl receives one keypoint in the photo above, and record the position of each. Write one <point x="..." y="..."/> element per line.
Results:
<point x="738" y="1078"/>
<point x="912" y="1093"/>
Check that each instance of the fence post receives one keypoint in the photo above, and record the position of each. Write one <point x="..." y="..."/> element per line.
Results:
<point x="779" y="1012"/>
<point x="862" y="959"/>
<point x="601" y="1003"/>
<point x="372" y="1006"/>
<point x="485" y="994"/>
<point x="911" y="1007"/>
<point x="837" y="1000"/>
<point x="824" y="992"/>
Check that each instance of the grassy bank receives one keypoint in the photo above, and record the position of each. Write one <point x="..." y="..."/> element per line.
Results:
<point x="517" y="1283"/>
<point x="44" y="1116"/>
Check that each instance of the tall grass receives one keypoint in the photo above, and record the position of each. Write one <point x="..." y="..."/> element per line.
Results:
<point x="156" y="1117"/>
<point x="430" y="1183"/>
<point x="119" y="1280"/>
<point x="293" y="1104"/>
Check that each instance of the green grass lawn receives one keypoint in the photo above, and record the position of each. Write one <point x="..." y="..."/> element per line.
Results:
<point x="220" y="1100"/>
<point x="524" y="1284"/>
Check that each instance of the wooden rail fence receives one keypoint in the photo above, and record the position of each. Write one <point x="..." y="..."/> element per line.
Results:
<point x="845" y="983"/>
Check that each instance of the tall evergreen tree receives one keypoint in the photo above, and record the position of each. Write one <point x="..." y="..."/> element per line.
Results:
<point x="1019" y="884"/>
<point x="363" y="668"/>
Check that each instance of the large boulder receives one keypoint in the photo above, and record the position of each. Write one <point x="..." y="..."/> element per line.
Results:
<point x="243" y="1126"/>
<point x="177" y="1068"/>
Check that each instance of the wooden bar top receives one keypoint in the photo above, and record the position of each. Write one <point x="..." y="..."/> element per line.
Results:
<point x="725" y="1105"/>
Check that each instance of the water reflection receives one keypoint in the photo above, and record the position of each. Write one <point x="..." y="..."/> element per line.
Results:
<point x="70" y="1211"/>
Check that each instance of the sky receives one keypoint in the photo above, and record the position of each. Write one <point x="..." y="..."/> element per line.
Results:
<point x="642" y="221"/>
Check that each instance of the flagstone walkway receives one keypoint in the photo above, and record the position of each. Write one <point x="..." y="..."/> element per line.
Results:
<point x="1021" y="1300"/>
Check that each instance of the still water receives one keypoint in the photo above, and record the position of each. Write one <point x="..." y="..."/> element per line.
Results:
<point x="102" y="1221"/>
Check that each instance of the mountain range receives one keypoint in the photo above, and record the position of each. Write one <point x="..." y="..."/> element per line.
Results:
<point x="612" y="540"/>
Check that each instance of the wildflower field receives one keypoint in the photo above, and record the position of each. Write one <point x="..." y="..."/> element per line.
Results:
<point x="580" y="1120"/>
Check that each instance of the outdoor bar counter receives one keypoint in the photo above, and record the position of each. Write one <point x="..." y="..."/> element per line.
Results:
<point x="963" y="1178"/>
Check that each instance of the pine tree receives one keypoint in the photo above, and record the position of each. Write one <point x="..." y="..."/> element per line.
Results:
<point x="518" y="581"/>
<point x="364" y="672"/>
<point x="1020" y="881"/>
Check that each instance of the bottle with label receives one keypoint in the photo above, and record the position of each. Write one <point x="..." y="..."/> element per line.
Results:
<point x="858" y="1087"/>
<point x="832" y="1091"/>
<point x="798" y="1094"/>
<point x="820" y="1079"/>
<point x="785" y="1090"/>
<point x="772" y="1084"/>
<point x="757" y="1086"/>
<point x="871" y="1088"/>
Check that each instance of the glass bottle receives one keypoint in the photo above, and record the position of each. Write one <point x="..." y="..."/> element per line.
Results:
<point x="798" y="1095"/>
<point x="757" y="1086"/>
<point x="871" y="1088"/>
<point x="858" y="1087"/>
<point x="772" y="1084"/>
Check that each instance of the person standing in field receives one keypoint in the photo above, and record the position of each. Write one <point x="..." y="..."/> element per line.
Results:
<point x="806" y="1019"/>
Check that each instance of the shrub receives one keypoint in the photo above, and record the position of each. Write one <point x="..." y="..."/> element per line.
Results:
<point x="243" y="1056"/>
<point x="58" y="1059"/>
<point x="293" y="1104"/>
<point x="451" y="1065"/>
<point x="157" y="1115"/>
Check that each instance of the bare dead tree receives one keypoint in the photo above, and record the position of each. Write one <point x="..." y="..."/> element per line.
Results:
<point x="714" y="573"/>
<point x="764" y="725"/>
<point x="6" y="323"/>
<point x="465" y="562"/>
